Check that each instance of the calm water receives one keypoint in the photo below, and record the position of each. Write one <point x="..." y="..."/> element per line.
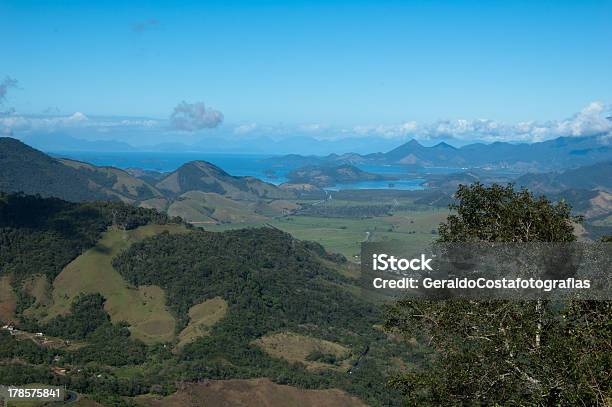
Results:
<point x="249" y="165"/>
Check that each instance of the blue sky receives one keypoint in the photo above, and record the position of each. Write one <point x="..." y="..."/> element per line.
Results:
<point x="306" y="66"/>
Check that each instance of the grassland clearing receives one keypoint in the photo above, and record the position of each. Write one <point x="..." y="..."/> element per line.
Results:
<point x="299" y="348"/>
<point x="202" y="317"/>
<point x="144" y="308"/>
<point x="197" y="206"/>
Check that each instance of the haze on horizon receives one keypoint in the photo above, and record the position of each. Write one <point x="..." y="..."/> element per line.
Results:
<point x="255" y="71"/>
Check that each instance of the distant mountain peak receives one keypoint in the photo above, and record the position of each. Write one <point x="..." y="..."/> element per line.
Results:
<point x="413" y="142"/>
<point x="443" y="144"/>
<point x="203" y="166"/>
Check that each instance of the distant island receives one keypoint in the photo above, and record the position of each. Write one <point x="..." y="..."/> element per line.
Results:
<point x="328" y="176"/>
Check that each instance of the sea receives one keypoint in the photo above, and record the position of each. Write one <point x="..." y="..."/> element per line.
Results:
<point x="251" y="165"/>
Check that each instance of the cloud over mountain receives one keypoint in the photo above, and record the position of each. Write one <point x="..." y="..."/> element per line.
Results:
<point x="195" y="116"/>
<point x="591" y="120"/>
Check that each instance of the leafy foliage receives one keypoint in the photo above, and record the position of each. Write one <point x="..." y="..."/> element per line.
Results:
<point x="501" y="214"/>
<point x="503" y="352"/>
<point x="27" y="350"/>
<point x="107" y="343"/>
<point x="110" y="344"/>
<point x="86" y="315"/>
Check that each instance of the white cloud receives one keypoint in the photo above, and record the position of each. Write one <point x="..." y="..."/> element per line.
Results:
<point x="195" y="116"/>
<point x="591" y="120"/>
<point x="387" y="131"/>
<point x="76" y="120"/>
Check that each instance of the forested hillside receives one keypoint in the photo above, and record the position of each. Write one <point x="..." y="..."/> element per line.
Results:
<point x="272" y="283"/>
<point x="24" y="169"/>
<point x="272" y="289"/>
<point x="40" y="236"/>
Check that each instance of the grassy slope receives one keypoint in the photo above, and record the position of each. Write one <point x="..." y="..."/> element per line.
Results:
<point x="155" y="203"/>
<point x="126" y="186"/>
<point x="196" y="206"/>
<point x="295" y="348"/>
<point x="143" y="307"/>
<point x="210" y="208"/>
<point x="202" y="317"/>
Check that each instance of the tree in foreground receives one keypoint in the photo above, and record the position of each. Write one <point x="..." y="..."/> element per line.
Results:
<point x="499" y="351"/>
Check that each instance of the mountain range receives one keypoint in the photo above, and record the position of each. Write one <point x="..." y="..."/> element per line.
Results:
<point x="25" y="169"/>
<point x="556" y="154"/>
<point x="201" y="192"/>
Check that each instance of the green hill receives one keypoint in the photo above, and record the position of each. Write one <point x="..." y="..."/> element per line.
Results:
<point x="206" y="177"/>
<point x="124" y="185"/>
<point x="25" y="169"/>
<point x="272" y="283"/>
<point x="198" y="191"/>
